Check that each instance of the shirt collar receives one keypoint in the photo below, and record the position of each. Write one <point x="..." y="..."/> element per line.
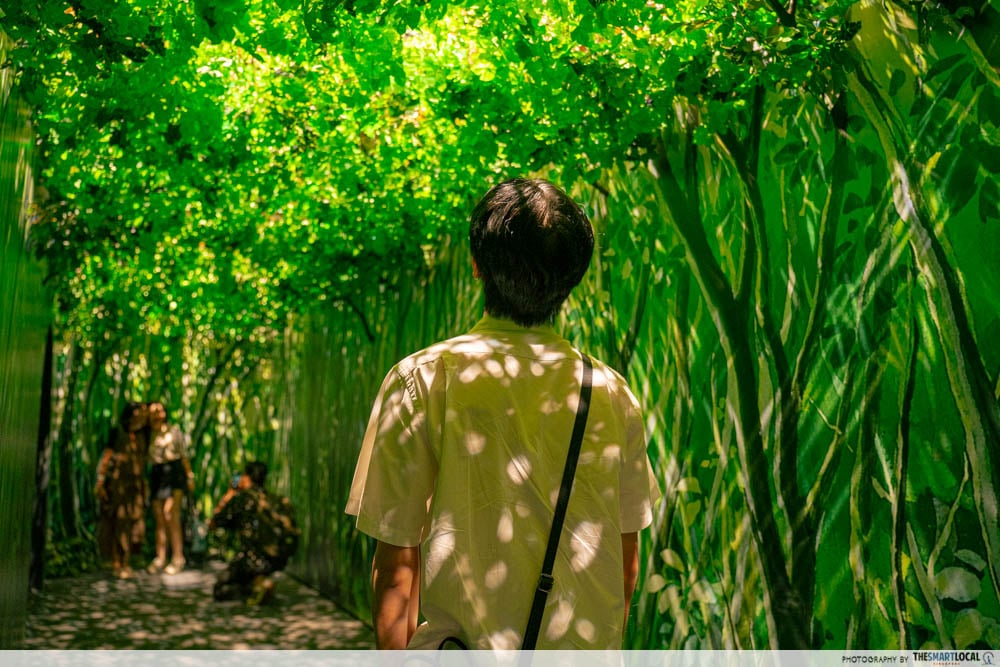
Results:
<point x="489" y="323"/>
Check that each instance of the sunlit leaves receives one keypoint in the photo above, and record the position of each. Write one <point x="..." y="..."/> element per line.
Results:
<point x="324" y="140"/>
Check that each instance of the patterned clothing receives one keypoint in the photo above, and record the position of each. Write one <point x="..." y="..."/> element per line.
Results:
<point x="464" y="455"/>
<point x="123" y="515"/>
<point x="264" y="526"/>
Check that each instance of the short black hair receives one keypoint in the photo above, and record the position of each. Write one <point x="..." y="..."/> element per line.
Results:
<point x="257" y="472"/>
<point x="532" y="245"/>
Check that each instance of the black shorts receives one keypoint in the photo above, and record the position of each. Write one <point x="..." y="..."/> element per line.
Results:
<point x="167" y="478"/>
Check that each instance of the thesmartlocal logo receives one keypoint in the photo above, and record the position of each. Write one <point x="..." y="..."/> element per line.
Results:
<point x="955" y="657"/>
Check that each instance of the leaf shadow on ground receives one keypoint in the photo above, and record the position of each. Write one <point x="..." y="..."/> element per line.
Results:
<point x="94" y="611"/>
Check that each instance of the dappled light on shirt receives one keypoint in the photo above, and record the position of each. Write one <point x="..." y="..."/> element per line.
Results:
<point x="475" y="443"/>
<point x="584" y="542"/>
<point x="505" y="529"/>
<point x="463" y="568"/>
<point x="445" y="530"/>
<point x="560" y="620"/>
<point x="496" y="576"/>
<point x="498" y="407"/>
<point x="519" y="470"/>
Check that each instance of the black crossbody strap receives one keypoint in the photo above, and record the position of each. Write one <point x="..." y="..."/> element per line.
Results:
<point x="545" y="581"/>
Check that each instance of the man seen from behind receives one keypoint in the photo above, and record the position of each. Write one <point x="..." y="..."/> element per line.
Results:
<point x="462" y="460"/>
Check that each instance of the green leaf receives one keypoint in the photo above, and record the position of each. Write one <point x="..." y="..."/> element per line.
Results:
<point x="523" y="49"/>
<point x="970" y="557"/>
<point x="690" y="513"/>
<point x="53" y="15"/>
<point x="944" y="65"/>
<point x="880" y="490"/>
<point x="989" y="201"/>
<point x="969" y="626"/>
<point x="688" y="485"/>
<point x="896" y="82"/>
<point x="856" y="123"/>
<point x="957" y="80"/>
<point x="852" y="203"/>
<point x="672" y="559"/>
<point x="669" y="600"/>
<point x="988" y="110"/>
<point x="989" y="156"/>
<point x="960" y="179"/>
<point x="654" y="583"/>
<point x="957" y="583"/>
<point x="701" y="591"/>
<point x="790" y="153"/>
<point x="866" y="156"/>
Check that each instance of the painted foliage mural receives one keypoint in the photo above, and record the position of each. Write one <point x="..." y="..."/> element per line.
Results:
<point x="24" y="315"/>
<point x="252" y="209"/>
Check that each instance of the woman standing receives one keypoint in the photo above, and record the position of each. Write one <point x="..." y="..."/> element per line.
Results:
<point x="170" y="478"/>
<point x="121" y="487"/>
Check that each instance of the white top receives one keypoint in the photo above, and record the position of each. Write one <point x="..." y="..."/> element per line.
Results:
<point x="167" y="445"/>
<point x="464" y="455"/>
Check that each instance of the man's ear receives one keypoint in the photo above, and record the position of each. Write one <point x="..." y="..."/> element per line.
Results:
<point x="475" y="270"/>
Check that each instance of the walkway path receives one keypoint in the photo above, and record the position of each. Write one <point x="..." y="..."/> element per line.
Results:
<point x="94" y="611"/>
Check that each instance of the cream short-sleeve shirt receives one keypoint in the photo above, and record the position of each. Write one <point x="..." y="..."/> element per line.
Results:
<point x="464" y="455"/>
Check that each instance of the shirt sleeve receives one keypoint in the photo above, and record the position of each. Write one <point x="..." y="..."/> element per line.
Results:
<point x="639" y="488"/>
<point x="397" y="469"/>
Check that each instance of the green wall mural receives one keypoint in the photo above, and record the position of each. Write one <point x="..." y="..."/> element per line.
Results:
<point x="797" y="208"/>
<point x="24" y="317"/>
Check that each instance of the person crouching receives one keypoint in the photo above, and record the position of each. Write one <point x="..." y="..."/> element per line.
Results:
<point x="266" y="532"/>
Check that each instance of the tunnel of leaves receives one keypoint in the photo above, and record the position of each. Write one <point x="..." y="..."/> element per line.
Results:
<point x="250" y="209"/>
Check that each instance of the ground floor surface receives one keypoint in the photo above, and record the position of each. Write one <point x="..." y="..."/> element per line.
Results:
<point x="152" y="611"/>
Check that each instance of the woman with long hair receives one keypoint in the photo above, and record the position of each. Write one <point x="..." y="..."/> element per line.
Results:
<point x="121" y="488"/>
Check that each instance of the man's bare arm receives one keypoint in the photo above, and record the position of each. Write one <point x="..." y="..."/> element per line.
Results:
<point x="396" y="582"/>
<point x="630" y="557"/>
